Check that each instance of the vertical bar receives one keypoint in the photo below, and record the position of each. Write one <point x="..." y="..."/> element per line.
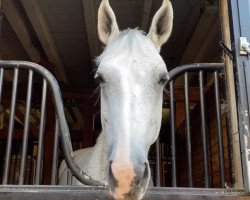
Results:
<point x="1" y="86"/>
<point x="158" y="174"/>
<point x="229" y="90"/>
<point x="55" y="155"/>
<point x="10" y="128"/>
<point x="1" y="16"/>
<point x="1" y="82"/>
<point x="172" y="121"/>
<point x="188" y="136"/>
<point x="220" y="138"/>
<point x="26" y="129"/>
<point x="203" y="129"/>
<point x="41" y="134"/>
<point x="69" y="177"/>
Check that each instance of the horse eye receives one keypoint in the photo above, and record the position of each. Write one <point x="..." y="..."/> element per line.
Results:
<point x="163" y="79"/>
<point x="98" y="78"/>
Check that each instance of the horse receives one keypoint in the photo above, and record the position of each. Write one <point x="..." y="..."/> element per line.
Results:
<point x="131" y="75"/>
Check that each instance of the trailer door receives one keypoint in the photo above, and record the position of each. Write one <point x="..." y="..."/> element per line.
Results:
<point x="240" y="31"/>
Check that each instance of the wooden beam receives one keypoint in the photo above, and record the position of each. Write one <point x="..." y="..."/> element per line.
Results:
<point x="201" y="42"/>
<point x="90" y="136"/>
<point x="34" y="130"/>
<point x="40" y="25"/>
<point x="5" y="54"/>
<point x="146" y="10"/>
<point x="192" y="21"/>
<point x="17" y="22"/>
<point x="231" y="95"/>
<point x="200" y="34"/>
<point x="79" y="118"/>
<point x="207" y="51"/>
<point x="90" y="16"/>
<point x="194" y="99"/>
<point x="67" y="93"/>
<point x="180" y="113"/>
<point x="179" y="94"/>
<point x="17" y="134"/>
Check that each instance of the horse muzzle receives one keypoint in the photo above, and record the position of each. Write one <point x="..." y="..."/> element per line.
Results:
<point x="128" y="181"/>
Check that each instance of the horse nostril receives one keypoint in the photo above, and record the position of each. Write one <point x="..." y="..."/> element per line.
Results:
<point x="112" y="180"/>
<point x="143" y="175"/>
<point x="146" y="171"/>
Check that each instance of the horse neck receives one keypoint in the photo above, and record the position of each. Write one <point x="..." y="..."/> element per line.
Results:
<point x="98" y="160"/>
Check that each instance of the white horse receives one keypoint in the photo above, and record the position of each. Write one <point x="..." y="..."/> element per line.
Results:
<point x="131" y="74"/>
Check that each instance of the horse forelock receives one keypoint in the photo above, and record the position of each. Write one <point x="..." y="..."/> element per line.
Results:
<point x="133" y="44"/>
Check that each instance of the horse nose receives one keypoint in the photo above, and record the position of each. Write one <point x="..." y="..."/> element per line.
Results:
<point x="142" y="174"/>
<point x="128" y="176"/>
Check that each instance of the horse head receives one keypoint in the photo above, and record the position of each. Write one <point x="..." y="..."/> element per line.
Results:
<point x="131" y="74"/>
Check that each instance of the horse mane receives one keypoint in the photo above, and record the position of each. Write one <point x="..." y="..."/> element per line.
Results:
<point x="132" y="43"/>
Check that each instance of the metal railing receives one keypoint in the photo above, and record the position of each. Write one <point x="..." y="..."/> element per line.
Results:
<point x="198" y="68"/>
<point x="48" y="80"/>
<point x="62" y="130"/>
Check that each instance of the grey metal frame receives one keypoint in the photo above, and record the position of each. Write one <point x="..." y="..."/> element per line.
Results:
<point x="240" y="16"/>
<point x="99" y="191"/>
<point x="61" y="124"/>
<point x="64" y="130"/>
<point x="200" y="68"/>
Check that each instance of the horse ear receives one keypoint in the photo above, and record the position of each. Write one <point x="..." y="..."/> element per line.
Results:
<point x="162" y="24"/>
<point x="107" y="25"/>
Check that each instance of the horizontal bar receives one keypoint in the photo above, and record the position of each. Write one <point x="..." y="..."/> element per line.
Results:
<point x="93" y="193"/>
<point x="195" y="67"/>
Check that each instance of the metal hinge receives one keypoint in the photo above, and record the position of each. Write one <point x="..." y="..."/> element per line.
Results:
<point x="244" y="46"/>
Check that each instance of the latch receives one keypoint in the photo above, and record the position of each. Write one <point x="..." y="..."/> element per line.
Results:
<point x="244" y="46"/>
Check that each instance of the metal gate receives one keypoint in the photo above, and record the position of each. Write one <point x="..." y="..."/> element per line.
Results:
<point x="201" y="70"/>
<point x="240" y="15"/>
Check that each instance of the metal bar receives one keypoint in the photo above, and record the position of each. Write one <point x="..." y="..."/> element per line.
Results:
<point x="158" y="174"/>
<point x="26" y="129"/>
<point x="1" y="86"/>
<point x="188" y="135"/>
<point x="203" y="129"/>
<point x="69" y="177"/>
<point x="10" y="128"/>
<point x="55" y="155"/>
<point x="226" y="50"/>
<point x="93" y="193"/>
<point x="1" y="82"/>
<point x="239" y="13"/>
<point x="220" y="137"/>
<point x="172" y="121"/>
<point x="195" y="67"/>
<point x="64" y="129"/>
<point x="41" y="134"/>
